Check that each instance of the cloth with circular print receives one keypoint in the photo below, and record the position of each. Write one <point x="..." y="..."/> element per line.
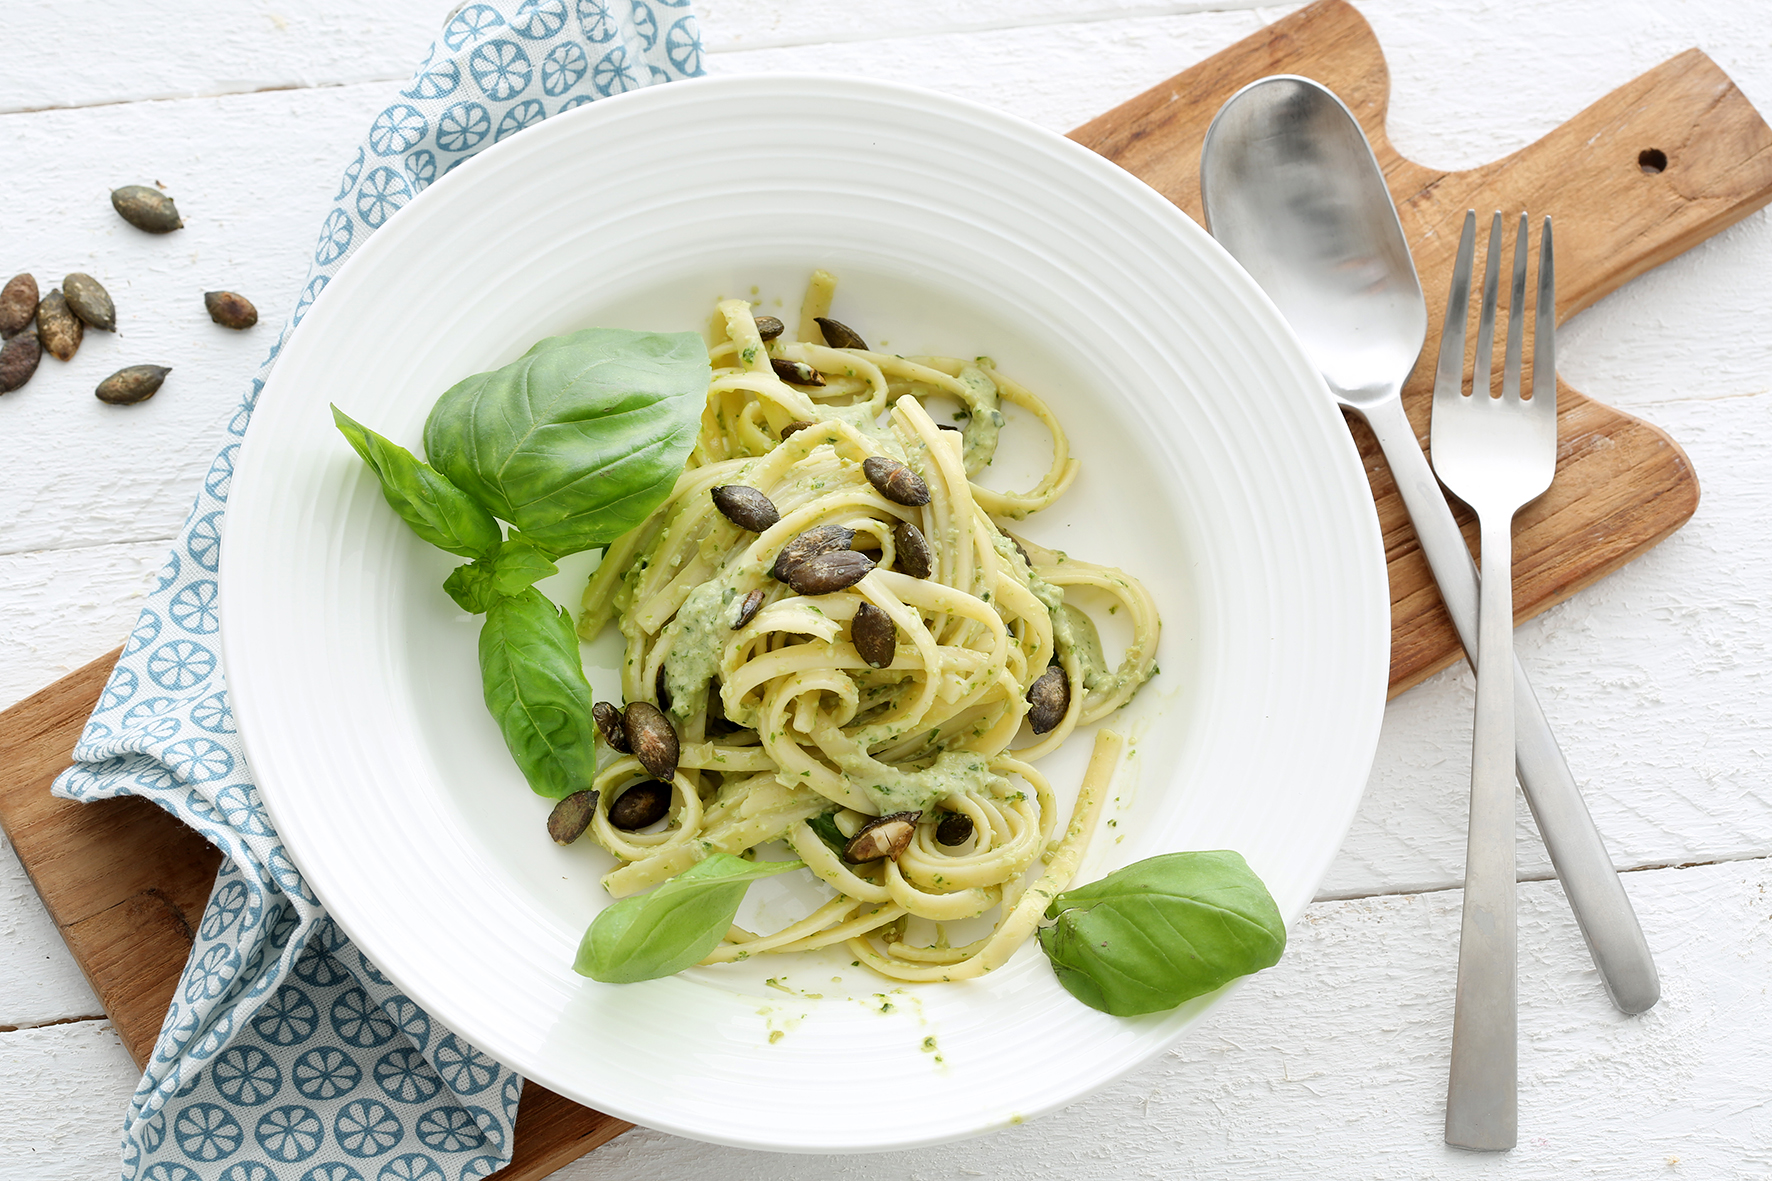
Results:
<point x="286" y="1053"/>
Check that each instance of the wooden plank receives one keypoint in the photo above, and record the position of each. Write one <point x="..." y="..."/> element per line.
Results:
<point x="126" y="884"/>
<point x="1622" y="485"/>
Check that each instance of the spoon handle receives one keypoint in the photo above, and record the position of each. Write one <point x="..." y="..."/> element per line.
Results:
<point x="1595" y="893"/>
<point x="1482" y="1098"/>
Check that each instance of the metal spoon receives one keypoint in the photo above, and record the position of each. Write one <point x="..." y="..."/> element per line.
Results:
<point x="1293" y="191"/>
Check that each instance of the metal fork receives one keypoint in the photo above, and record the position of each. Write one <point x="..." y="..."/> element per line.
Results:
<point x="1495" y="454"/>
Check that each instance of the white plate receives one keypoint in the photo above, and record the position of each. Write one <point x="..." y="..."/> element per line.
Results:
<point x="1214" y="468"/>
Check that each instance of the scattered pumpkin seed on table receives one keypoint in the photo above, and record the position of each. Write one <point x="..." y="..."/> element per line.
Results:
<point x="60" y="329"/>
<point x="18" y="303"/>
<point x="18" y="360"/>
<point x="136" y="383"/>
<point x="88" y="299"/>
<point x="146" y="208"/>
<point x="230" y="309"/>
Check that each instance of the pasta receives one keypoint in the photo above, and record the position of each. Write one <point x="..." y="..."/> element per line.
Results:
<point x="787" y="731"/>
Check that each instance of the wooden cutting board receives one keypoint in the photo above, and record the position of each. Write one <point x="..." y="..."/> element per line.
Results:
<point x="126" y="883"/>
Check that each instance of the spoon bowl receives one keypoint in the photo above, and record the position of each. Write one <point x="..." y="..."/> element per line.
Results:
<point x="1295" y="194"/>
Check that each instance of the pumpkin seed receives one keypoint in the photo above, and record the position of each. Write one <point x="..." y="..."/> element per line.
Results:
<point x="911" y="552"/>
<point x="839" y="335"/>
<point x="745" y="507"/>
<point x="885" y="836"/>
<point x="795" y="427"/>
<point x="653" y="739"/>
<point x="874" y="635"/>
<point x="798" y="372"/>
<point x="1049" y="696"/>
<point x="640" y="805"/>
<point x="609" y="721"/>
<point x="817" y="540"/>
<point x="230" y="309"/>
<point x="137" y="383"/>
<point x="748" y="609"/>
<point x="146" y="208"/>
<point x="18" y="303"/>
<point x="955" y="829"/>
<point x="60" y="330"/>
<point x="571" y="816"/>
<point x="827" y="573"/>
<point x="18" y="360"/>
<point x="768" y="327"/>
<point x="88" y="299"/>
<point x="895" y="481"/>
<point x="948" y="426"/>
<point x="661" y="687"/>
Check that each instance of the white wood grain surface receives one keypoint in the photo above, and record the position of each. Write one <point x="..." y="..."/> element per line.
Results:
<point x="1333" y="1062"/>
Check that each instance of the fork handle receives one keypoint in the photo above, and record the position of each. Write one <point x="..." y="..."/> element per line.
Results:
<point x="1595" y="893"/>
<point x="1482" y="1099"/>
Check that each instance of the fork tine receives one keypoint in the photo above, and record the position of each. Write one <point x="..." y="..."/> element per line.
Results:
<point x="1544" y="328"/>
<point x="1449" y="374"/>
<point x="1486" y="320"/>
<point x="1516" y="318"/>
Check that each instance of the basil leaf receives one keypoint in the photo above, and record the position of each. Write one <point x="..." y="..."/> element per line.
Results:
<point x="1162" y="931"/>
<point x="675" y="925"/>
<point x="825" y="826"/>
<point x="437" y="510"/>
<point x="519" y="565"/>
<point x="471" y="587"/>
<point x="536" y="690"/>
<point x="579" y="439"/>
<point x="516" y="566"/>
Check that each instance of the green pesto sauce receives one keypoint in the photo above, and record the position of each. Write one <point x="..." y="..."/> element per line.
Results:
<point x="703" y="623"/>
<point x="984" y="422"/>
<point x="1073" y="632"/>
<point x="903" y="789"/>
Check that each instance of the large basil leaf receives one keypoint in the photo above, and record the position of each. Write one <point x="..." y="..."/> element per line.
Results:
<point x="1162" y="931"/>
<point x="514" y="568"/>
<point x="536" y="690"/>
<point x="437" y="510"/>
<point x="674" y="926"/>
<point x="579" y="439"/>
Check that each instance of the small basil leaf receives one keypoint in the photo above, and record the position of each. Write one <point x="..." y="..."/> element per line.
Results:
<point x="438" y="511"/>
<point x="513" y="569"/>
<point x="471" y="587"/>
<point x="675" y="925"/>
<point x="536" y="690"/>
<point x="519" y="565"/>
<point x="576" y="441"/>
<point x="825" y="825"/>
<point x="1162" y="931"/>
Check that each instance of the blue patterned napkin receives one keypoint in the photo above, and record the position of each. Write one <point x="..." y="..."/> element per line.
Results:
<point x="285" y="1055"/>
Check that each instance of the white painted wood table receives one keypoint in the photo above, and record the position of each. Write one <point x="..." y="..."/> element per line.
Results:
<point x="1331" y="1064"/>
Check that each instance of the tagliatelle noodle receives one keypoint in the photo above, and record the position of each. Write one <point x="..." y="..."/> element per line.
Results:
<point x="786" y="732"/>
